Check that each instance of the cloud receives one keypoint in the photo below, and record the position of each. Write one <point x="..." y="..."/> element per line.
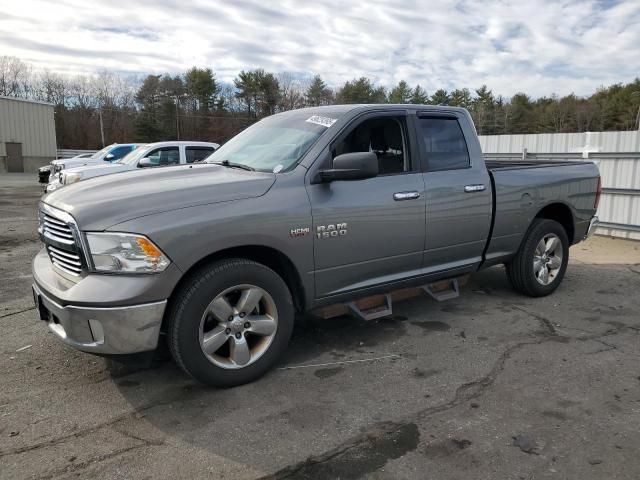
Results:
<point x="540" y="47"/>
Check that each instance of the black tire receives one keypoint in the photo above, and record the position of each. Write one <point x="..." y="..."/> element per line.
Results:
<point x="520" y="270"/>
<point x="190" y="302"/>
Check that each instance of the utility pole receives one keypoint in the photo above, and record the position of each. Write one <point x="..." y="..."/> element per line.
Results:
<point x="638" y="114"/>
<point x="177" y="118"/>
<point x="101" y="126"/>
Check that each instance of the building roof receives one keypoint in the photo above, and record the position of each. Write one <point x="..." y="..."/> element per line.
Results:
<point x="25" y="100"/>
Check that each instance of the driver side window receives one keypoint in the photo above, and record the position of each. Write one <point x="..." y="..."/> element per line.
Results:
<point x="385" y="137"/>
<point x="164" y="156"/>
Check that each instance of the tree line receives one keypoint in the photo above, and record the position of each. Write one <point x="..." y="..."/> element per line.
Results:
<point x="94" y="109"/>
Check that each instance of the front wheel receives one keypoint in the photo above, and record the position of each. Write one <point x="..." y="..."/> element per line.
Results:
<point x="541" y="262"/>
<point x="230" y="322"/>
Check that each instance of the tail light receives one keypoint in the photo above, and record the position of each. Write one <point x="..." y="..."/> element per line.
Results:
<point x="598" y="193"/>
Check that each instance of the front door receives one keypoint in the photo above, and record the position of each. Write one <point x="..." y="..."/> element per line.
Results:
<point x="369" y="232"/>
<point x="14" y="157"/>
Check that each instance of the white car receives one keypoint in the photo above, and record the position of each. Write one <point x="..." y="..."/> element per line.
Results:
<point x="158" y="154"/>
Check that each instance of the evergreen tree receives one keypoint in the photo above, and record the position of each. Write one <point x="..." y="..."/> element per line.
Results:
<point x="460" y="97"/>
<point x="318" y="93"/>
<point x="361" y="91"/>
<point x="440" y="97"/>
<point x="401" y="93"/>
<point x="419" y="96"/>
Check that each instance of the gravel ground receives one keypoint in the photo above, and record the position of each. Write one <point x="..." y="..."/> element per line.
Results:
<point x="491" y="385"/>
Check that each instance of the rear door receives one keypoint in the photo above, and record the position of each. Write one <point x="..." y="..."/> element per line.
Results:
<point x="457" y="190"/>
<point x="369" y="232"/>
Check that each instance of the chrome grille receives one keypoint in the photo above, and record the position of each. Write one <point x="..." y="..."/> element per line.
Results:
<point x="57" y="230"/>
<point x="59" y="233"/>
<point x="68" y="261"/>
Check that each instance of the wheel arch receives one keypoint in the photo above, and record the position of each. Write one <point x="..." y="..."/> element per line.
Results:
<point x="561" y="213"/>
<point x="268" y="256"/>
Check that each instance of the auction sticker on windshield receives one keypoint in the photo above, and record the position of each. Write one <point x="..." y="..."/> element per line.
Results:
<point x="324" y="121"/>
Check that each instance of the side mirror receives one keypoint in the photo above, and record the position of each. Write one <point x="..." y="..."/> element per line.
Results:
<point x="145" y="162"/>
<point x="108" y="157"/>
<point x="352" y="166"/>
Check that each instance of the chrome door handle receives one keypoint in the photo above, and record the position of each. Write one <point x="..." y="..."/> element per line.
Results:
<point x="474" y="188"/>
<point x="405" y="196"/>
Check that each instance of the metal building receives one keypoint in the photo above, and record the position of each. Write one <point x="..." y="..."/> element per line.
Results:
<point x="27" y="135"/>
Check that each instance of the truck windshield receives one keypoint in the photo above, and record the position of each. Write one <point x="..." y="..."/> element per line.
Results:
<point x="274" y="144"/>
<point x="133" y="156"/>
<point x="100" y="153"/>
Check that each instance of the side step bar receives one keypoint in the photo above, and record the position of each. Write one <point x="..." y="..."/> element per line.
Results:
<point x="380" y="311"/>
<point x="445" y="294"/>
<point x="363" y="310"/>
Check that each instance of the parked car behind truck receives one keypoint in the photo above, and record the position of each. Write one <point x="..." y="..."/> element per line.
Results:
<point x="44" y="172"/>
<point x="303" y="209"/>
<point x="109" y="154"/>
<point x="159" y="154"/>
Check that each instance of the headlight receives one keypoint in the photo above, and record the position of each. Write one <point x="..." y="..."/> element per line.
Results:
<point x="125" y="253"/>
<point x="70" y="177"/>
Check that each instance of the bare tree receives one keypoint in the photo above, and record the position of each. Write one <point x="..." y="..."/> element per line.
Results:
<point x="12" y="76"/>
<point x="291" y="91"/>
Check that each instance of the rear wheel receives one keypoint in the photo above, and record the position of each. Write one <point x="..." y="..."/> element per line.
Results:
<point x="230" y="322"/>
<point x="541" y="262"/>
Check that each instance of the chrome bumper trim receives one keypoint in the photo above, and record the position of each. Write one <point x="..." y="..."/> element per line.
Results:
<point x="114" y="330"/>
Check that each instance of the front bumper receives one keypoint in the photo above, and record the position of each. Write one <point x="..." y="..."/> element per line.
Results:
<point x="112" y="330"/>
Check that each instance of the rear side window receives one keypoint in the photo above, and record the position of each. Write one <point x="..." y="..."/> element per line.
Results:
<point x="444" y="144"/>
<point x="197" y="154"/>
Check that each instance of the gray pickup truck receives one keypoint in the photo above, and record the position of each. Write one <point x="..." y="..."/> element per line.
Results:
<point x="303" y="209"/>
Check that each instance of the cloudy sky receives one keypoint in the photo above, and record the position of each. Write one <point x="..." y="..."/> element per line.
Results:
<point x="537" y="46"/>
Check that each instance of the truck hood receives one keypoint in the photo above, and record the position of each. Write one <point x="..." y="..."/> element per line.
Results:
<point x="101" y="202"/>
<point x="80" y="162"/>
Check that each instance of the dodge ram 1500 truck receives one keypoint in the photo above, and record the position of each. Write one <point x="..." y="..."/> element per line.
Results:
<point x="303" y="209"/>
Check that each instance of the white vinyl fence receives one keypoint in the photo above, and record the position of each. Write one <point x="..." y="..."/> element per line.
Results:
<point x="617" y="155"/>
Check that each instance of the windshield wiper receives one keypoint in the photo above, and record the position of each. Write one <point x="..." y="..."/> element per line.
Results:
<point x="227" y="163"/>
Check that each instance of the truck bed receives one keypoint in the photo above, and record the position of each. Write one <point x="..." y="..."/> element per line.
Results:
<point x="521" y="189"/>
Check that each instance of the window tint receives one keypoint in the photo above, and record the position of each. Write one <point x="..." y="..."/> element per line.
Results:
<point x="444" y="143"/>
<point x="384" y="136"/>
<point x="164" y="156"/>
<point x="197" y="154"/>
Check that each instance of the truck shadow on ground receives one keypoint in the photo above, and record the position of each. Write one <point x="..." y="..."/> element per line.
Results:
<point x="281" y="409"/>
<point x="176" y="406"/>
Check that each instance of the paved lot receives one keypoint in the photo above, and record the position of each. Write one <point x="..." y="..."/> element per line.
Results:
<point x="491" y="385"/>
